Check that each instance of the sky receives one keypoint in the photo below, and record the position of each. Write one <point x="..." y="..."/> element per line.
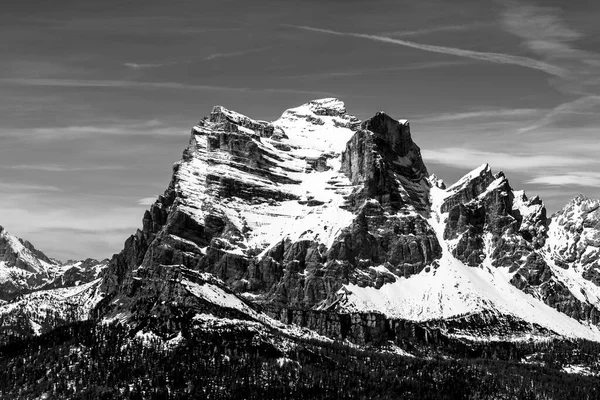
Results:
<point x="97" y="98"/>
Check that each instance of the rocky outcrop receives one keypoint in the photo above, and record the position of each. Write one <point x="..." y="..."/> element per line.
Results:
<point x="490" y="221"/>
<point x="166" y="299"/>
<point x="483" y="207"/>
<point x="404" y="243"/>
<point x="377" y="329"/>
<point x="382" y="158"/>
<point x="565" y="272"/>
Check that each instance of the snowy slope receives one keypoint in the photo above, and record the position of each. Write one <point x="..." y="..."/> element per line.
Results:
<point x="454" y="289"/>
<point x="287" y="158"/>
<point x="43" y="310"/>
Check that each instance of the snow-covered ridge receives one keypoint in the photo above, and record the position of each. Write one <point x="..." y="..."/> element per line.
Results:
<point x="23" y="268"/>
<point x="478" y="172"/>
<point x="455" y="290"/>
<point x="40" y="311"/>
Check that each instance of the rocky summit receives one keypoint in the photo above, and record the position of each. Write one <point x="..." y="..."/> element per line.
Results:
<point x="320" y="221"/>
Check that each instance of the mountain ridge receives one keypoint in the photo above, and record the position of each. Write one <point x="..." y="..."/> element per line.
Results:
<point x="334" y="224"/>
<point x="301" y="269"/>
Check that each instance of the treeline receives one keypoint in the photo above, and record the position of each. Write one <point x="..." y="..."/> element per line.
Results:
<point x="88" y="361"/>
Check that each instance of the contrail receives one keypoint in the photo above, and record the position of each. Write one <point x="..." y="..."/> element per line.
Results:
<point x="499" y="58"/>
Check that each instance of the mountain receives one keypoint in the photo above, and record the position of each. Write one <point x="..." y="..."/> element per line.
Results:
<point x="321" y="233"/>
<point x="28" y="306"/>
<point x="333" y="224"/>
<point x="22" y="266"/>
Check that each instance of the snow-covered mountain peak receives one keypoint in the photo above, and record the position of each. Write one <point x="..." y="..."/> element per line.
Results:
<point x="483" y="172"/>
<point x="222" y="118"/>
<point x="579" y="214"/>
<point x="327" y="106"/>
<point x="316" y="128"/>
<point x="581" y="204"/>
<point x="19" y="254"/>
<point x="574" y="236"/>
<point x="437" y="182"/>
<point x="22" y="266"/>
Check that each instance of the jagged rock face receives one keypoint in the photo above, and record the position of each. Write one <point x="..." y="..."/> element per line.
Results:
<point x="402" y="243"/>
<point x="271" y="211"/>
<point x="575" y="235"/>
<point x="167" y="298"/>
<point x="487" y="220"/>
<point x="571" y="253"/>
<point x="382" y="158"/>
<point x="236" y="192"/>
<point x="483" y="206"/>
<point x="564" y="271"/>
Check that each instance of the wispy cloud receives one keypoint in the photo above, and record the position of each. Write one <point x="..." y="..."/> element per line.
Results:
<point x="468" y="158"/>
<point x="368" y="71"/>
<point x="65" y="168"/>
<point x="91" y="231"/>
<point x="91" y="83"/>
<point x="499" y="58"/>
<point x="142" y="128"/>
<point x="587" y="105"/>
<point x="215" y="56"/>
<point x="435" y="29"/>
<point x="500" y="113"/>
<point x="121" y="84"/>
<point x="210" y="57"/>
<point x="582" y="178"/>
<point x="25" y="187"/>
<point x="123" y="232"/>
<point x="544" y="33"/>
<point x="147" y="201"/>
<point x="141" y="66"/>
